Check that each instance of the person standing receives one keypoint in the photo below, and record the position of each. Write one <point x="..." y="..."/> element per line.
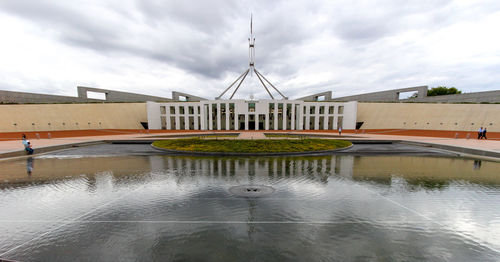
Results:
<point x="340" y="131"/>
<point x="480" y="133"/>
<point x="484" y="133"/>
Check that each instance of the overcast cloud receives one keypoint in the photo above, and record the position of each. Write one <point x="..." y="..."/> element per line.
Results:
<point x="200" y="47"/>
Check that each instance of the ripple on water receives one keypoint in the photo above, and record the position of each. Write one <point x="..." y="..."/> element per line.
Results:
<point x="321" y="208"/>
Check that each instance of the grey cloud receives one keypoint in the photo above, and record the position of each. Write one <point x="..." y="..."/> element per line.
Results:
<point x="208" y="39"/>
<point x="209" y="47"/>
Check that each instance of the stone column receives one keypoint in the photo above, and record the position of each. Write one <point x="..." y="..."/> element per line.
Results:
<point x="218" y="116"/>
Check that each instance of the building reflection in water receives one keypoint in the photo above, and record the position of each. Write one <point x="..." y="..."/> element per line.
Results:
<point x="256" y="168"/>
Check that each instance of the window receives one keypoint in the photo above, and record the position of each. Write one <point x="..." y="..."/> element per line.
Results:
<point x="214" y="110"/>
<point x="251" y="107"/>
<point x="312" y="110"/>
<point x="191" y="110"/>
<point x="172" y="110"/>
<point x="341" y="109"/>
<point x="181" y="110"/>
<point x="321" y="109"/>
<point x="231" y="108"/>
<point x="163" y="110"/>
<point x="163" y="122"/>
<point x="330" y="110"/>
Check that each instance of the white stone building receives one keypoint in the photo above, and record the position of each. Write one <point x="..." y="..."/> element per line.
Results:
<point x="240" y="114"/>
<point x="307" y="113"/>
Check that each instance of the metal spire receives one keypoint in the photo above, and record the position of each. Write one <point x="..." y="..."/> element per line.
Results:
<point x="251" y="48"/>
<point x="251" y="69"/>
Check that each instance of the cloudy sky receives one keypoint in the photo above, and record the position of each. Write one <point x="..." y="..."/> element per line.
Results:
<point x="200" y="47"/>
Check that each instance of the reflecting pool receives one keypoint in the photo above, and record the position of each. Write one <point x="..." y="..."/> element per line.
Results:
<point x="174" y="208"/>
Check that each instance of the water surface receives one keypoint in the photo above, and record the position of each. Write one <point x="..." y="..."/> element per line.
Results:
<point x="141" y="207"/>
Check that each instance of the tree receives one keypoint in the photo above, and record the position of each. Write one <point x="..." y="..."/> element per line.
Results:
<point x="443" y="90"/>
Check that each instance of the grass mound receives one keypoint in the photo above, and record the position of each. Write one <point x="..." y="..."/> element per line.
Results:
<point x="251" y="146"/>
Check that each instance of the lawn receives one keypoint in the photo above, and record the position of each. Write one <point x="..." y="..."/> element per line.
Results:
<point x="251" y="146"/>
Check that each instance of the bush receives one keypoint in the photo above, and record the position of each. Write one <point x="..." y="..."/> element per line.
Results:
<point x="443" y="90"/>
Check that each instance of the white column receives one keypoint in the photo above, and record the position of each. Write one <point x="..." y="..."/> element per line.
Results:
<point x="285" y="109"/>
<point x="227" y="116"/>
<point x="210" y="122"/>
<point x="246" y="121"/>
<point x="218" y="116"/>
<point x="203" y="117"/>
<point x="316" y="119"/>
<point x="236" y="121"/>
<point x="195" y="120"/>
<point x="256" y="117"/>
<point x="177" y="123"/>
<point x="167" y="117"/>
<point x="327" y="117"/>
<point x="266" y="120"/>
<point x="299" y="117"/>
<point x="293" y="117"/>
<point x="275" y="116"/>
<point x="308" y="119"/>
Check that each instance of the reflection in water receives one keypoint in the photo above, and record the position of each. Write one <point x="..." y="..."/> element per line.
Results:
<point x="29" y="165"/>
<point x="317" y="168"/>
<point x="477" y="164"/>
<point x="398" y="208"/>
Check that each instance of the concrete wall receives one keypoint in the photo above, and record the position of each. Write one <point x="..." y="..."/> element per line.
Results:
<point x="468" y="117"/>
<point x="189" y="98"/>
<point x="47" y="117"/>
<point x="315" y="97"/>
<point x="460" y="117"/>
<point x="118" y="96"/>
<point x="393" y="96"/>
<point x="10" y="97"/>
<point x="384" y="96"/>
<point x="477" y="97"/>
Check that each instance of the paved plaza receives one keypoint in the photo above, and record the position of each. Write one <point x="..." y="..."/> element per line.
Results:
<point x="10" y="144"/>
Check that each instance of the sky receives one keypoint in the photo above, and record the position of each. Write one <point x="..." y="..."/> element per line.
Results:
<point x="155" y="47"/>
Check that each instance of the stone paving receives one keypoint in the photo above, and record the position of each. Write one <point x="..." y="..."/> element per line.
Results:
<point x="251" y="135"/>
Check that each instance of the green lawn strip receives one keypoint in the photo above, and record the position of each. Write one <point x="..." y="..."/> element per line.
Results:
<point x="251" y="146"/>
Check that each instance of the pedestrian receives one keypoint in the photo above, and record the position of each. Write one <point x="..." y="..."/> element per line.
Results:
<point x="340" y="131"/>
<point x="484" y="133"/>
<point x="27" y="145"/>
<point x="480" y="133"/>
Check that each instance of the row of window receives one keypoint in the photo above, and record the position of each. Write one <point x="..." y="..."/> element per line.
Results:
<point x="251" y="108"/>
<point x="190" y="110"/>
